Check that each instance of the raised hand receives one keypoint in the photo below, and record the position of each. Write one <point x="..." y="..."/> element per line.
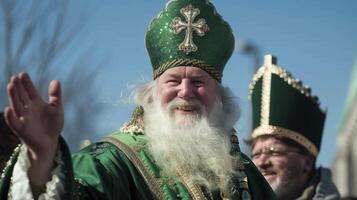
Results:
<point x="36" y="122"/>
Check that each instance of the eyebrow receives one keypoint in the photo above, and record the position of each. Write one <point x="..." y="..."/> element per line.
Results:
<point x="172" y="75"/>
<point x="194" y="75"/>
<point x="197" y="76"/>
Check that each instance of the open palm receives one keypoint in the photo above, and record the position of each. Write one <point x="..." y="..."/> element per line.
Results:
<point x="36" y="122"/>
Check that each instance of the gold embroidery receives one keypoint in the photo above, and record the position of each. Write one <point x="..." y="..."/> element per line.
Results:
<point x="265" y="101"/>
<point x="9" y="161"/>
<point x="188" y="62"/>
<point x="8" y="164"/>
<point x="194" y="190"/>
<point x="200" y="27"/>
<point x="136" y="123"/>
<point x="276" y="130"/>
<point x="286" y="76"/>
<point x="151" y="181"/>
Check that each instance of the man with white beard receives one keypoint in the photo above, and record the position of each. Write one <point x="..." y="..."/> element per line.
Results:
<point x="287" y="129"/>
<point x="196" y="138"/>
<point x="179" y="144"/>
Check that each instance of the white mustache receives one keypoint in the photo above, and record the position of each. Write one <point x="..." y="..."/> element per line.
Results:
<point x="192" y="105"/>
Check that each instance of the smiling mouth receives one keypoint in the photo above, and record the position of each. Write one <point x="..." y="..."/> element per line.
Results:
<point x="187" y="108"/>
<point x="268" y="173"/>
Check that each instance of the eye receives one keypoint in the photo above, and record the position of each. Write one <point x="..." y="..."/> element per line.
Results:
<point x="255" y="155"/>
<point x="275" y="153"/>
<point x="173" y="82"/>
<point x="197" y="83"/>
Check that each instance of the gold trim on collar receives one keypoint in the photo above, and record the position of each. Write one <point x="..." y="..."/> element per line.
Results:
<point x="136" y="124"/>
<point x="194" y="190"/>
<point x="151" y="181"/>
<point x="279" y="131"/>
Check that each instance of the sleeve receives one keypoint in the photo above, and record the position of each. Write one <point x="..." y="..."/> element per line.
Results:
<point x="21" y="188"/>
<point x="15" y="183"/>
<point x="101" y="173"/>
<point x="6" y="174"/>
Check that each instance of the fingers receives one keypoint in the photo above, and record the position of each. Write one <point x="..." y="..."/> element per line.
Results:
<point x="28" y="85"/>
<point x="54" y="93"/>
<point x="14" y="96"/>
<point x="23" y="95"/>
<point x="14" y="123"/>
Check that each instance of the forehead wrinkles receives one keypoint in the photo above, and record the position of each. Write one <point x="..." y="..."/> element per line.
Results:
<point x="263" y="145"/>
<point x="197" y="73"/>
<point x="185" y="72"/>
<point x="269" y="142"/>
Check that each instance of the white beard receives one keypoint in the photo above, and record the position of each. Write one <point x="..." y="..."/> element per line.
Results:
<point x="197" y="145"/>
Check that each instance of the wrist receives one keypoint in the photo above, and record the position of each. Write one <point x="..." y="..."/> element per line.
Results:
<point x="42" y="163"/>
<point x="43" y="154"/>
<point x="37" y="189"/>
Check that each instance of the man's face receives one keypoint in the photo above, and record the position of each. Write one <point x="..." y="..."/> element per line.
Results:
<point x="186" y="90"/>
<point x="284" y="167"/>
<point x="183" y="106"/>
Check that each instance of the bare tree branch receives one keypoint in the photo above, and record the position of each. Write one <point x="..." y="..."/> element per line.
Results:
<point x="37" y="36"/>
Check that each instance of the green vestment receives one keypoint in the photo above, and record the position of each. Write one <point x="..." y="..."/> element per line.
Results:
<point x="123" y="169"/>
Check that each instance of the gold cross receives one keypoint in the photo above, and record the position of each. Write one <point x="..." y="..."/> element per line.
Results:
<point x="200" y="27"/>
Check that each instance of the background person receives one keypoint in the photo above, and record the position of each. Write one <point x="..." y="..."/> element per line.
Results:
<point x="287" y="130"/>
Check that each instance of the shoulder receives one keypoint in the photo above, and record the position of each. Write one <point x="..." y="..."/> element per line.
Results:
<point x="103" y="164"/>
<point x="324" y="172"/>
<point x="108" y="152"/>
<point x="99" y="153"/>
<point x="96" y="150"/>
<point x="326" y="188"/>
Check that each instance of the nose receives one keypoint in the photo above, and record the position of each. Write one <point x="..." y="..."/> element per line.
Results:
<point x="186" y="90"/>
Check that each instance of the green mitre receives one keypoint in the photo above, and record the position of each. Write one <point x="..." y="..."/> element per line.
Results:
<point x="189" y="33"/>
<point x="282" y="106"/>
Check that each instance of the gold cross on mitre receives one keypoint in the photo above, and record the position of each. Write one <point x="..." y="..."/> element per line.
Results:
<point x="200" y="27"/>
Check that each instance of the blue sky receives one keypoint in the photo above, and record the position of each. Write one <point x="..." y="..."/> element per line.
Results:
<point x="314" y="40"/>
